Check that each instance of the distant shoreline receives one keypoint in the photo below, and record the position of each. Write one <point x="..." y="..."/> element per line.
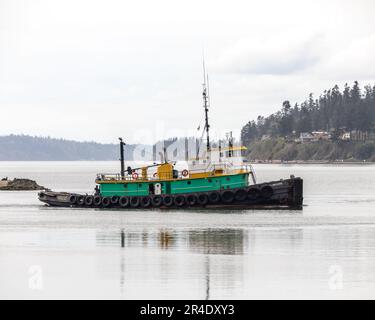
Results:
<point x="310" y="162"/>
<point x="249" y="162"/>
<point x="279" y="150"/>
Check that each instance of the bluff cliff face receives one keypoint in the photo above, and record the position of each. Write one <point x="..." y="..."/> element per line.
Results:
<point x="280" y="149"/>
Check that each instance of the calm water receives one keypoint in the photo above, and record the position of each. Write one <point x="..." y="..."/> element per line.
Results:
<point x="326" y="251"/>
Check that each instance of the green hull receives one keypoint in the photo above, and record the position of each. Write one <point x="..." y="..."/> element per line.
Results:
<point x="182" y="186"/>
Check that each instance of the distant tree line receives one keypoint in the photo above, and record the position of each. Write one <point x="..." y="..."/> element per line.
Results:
<point x="24" y="147"/>
<point x="351" y="109"/>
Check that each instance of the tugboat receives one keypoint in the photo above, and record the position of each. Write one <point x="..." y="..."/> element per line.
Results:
<point x="217" y="178"/>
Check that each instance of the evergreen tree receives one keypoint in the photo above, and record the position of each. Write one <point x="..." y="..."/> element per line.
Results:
<point x="333" y="110"/>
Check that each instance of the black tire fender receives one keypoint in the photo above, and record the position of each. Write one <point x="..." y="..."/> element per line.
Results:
<point x="115" y="199"/>
<point x="106" y="201"/>
<point x="227" y="196"/>
<point x="253" y="193"/>
<point x="191" y="199"/>
<point x="156" y="201"/>
<point x="240" y="195"/>
<point x="214" y="197"/>
<point x="179" y="200"/>
<point x="134" y="202"/>
<point x="203" y="199"/>
<point x="124" y="201"/>
<point x="168" y="200"/>
<point x="266" y="192"/>
<point x="97" y="200"/>
<point x="89" y="200"/>
<point x="72" y="198"/>
<point x="145" y="201"/>
<point x="81" y="200"/>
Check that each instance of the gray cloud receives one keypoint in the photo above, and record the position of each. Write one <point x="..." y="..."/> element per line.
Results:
<point x="94" y="70"/>
<point x="277" y="54"/>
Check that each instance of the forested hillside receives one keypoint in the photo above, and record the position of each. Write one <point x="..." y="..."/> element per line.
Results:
<point x="283" y="150"/>
<point x="350" y="109"/>
<point x="334" y="113"/>
<point x="275" y="137"/>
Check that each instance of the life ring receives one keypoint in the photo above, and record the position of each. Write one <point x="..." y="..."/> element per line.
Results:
<point x="155" y="174"/>
<point x="135" y="175"/>
<point x="185" y="173"/>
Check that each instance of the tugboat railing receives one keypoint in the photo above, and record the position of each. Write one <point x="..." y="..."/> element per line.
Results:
<point x="226" y="168"/>
<point x="117" y="177"/>
<point x="252" y="172"/>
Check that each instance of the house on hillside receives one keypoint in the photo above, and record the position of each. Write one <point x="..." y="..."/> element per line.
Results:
<point x="358" y="135"/>
<point x="314" y="136"/>
<point x="306" y="137"/>
<point x="266" y="137"/>
<point x="321" y="135"/>
<point x="355" y="135"/>
<point x="345" y="136"/>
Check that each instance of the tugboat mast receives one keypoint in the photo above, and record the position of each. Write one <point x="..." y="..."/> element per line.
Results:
<point x="205" y="95"/>
<point x="122" y="144"/>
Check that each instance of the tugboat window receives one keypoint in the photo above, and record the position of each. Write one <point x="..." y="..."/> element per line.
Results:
<point x="188" y="182"/>
<point x="151" y="189"/>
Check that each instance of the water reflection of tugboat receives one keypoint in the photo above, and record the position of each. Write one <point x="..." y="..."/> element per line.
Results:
<point x="214" y="178"/>
<point x="206" y="243"/>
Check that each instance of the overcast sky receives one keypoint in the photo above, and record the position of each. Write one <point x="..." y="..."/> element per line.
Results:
<point x="96" y="70"/>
